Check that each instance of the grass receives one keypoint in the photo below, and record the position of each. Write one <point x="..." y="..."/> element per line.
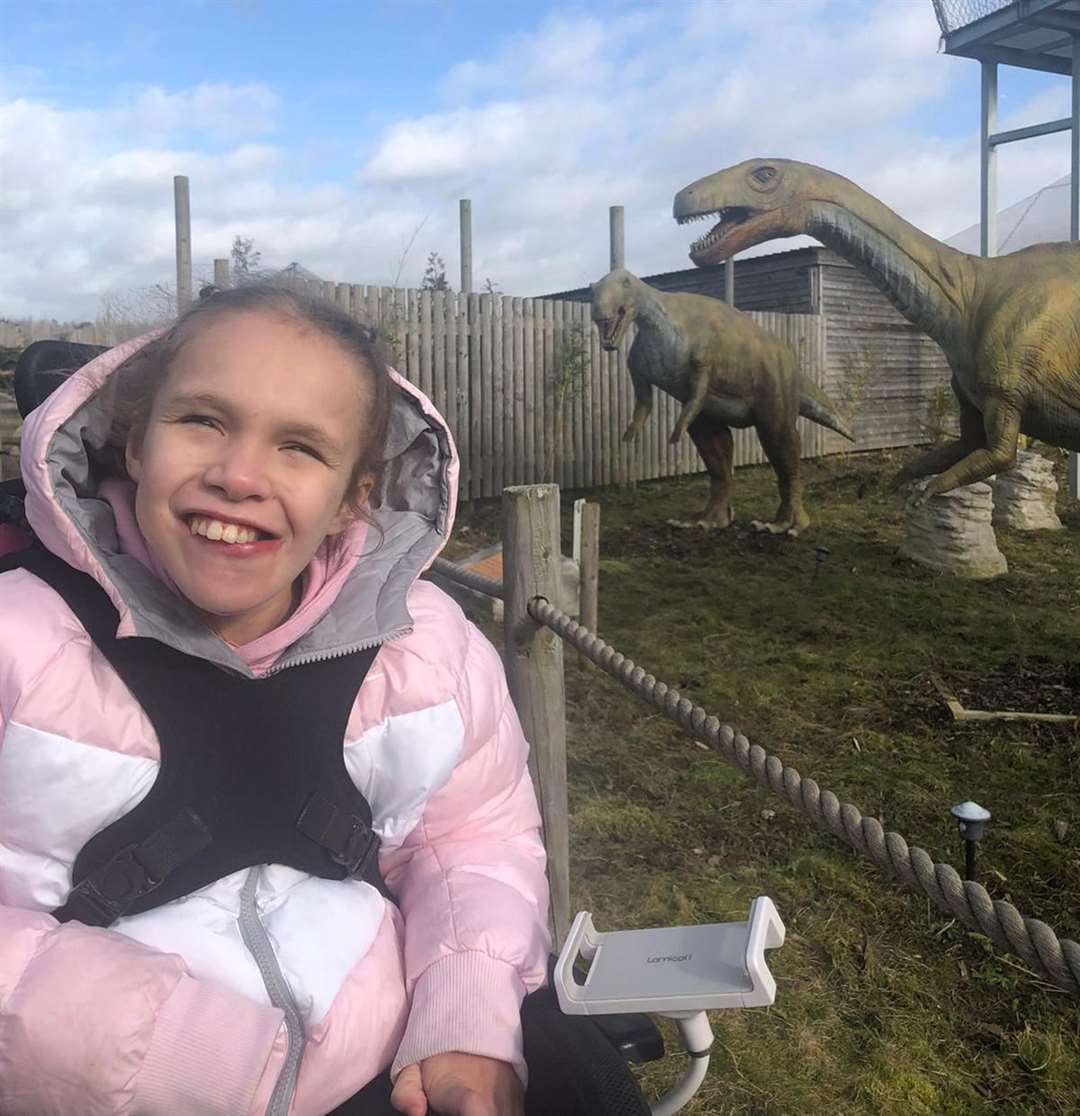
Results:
<point x="884" y="1005"/>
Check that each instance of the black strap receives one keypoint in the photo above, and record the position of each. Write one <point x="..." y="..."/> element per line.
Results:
<point x="80" y="591"/>
<point x="252" y="770"/>
<point x="108" y="892"/>
<point x="348" y="838"/>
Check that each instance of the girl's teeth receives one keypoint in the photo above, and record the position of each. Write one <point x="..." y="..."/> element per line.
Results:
<point x="216" y="531"/>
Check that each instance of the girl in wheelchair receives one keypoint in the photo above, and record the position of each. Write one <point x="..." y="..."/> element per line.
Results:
<point x="268" y="842"/>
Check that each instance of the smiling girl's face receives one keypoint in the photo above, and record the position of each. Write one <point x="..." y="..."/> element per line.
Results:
<point x="245" y="464"/>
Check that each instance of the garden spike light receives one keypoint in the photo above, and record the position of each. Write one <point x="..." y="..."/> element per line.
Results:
<point x="972" y="818"/>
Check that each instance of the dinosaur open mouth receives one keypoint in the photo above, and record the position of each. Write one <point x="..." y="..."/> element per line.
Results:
<point x="730" y="217"/>
<point x="609" y="329"/>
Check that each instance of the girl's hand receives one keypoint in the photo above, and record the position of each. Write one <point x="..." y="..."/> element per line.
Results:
<point x="458" y="1085"/>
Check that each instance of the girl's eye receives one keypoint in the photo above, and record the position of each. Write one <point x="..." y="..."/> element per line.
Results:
<point x="299" y="447"/>
<point x="200" y="420"/>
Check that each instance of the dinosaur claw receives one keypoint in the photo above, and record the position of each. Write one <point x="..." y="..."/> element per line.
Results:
<point x="919" y="494"/>
<point x="789" y="530"/>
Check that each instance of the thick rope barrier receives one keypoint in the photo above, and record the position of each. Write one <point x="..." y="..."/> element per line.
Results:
<point x="453" y="572"/>
<point x="969" y="902"/>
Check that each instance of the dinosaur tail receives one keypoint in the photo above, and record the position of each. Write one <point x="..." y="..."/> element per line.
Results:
<point x="815" y="405"/>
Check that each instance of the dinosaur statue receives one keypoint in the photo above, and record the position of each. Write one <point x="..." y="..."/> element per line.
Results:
<point x="726" y="371"/>
<point x="1009" y="326"/>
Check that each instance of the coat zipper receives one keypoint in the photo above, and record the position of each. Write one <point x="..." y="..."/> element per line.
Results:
<point x="258" y="943"/>
<point x="319" y="657"/>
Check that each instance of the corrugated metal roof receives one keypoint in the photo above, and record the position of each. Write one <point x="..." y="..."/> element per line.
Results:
<point x="792" y="256"/>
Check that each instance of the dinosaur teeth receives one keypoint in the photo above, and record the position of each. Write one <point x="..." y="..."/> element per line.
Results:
<point x="727" y="218"/>
<point x="699" y="216"/>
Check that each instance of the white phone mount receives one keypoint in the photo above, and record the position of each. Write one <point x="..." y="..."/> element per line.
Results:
<point x="677" y="971"/>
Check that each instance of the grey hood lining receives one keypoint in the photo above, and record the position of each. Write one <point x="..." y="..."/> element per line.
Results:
<point x="410" y="516"/>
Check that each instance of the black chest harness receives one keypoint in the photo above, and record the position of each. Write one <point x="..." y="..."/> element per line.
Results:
<point x="252" y="770"/>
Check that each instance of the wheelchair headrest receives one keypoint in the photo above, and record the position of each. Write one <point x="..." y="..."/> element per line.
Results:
<point x="44" y="365"/>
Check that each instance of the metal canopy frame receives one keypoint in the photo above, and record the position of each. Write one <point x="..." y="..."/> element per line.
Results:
<point x="1034" y="35"/>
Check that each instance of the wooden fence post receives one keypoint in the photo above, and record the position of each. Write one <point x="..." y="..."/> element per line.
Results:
<point x="589" y="564"/>
<point x="465" y="226"/>
<point x="182" y="205"/>
<point x="221" y="274"/>
<point x="616" y="237"/>
<point x="534" y="667"/>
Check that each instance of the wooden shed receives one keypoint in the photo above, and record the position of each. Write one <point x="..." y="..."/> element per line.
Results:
<point x="882" y="370"/>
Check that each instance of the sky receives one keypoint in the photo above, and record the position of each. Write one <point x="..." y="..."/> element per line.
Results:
<point x="342" y="135"/>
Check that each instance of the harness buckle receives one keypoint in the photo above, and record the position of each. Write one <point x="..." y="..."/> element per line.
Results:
<point x="359" y="850"/>
<point x="102" y="896"/>
<point x="347" y="837"/>
<point x="110" y="890"/>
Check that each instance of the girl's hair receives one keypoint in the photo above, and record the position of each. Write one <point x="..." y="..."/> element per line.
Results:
<point x="137" y="381"/>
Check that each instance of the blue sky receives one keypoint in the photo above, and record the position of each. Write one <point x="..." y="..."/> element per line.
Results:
<point x="338" y="134"/>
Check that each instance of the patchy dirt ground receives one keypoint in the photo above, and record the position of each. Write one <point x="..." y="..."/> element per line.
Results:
<point x="1035" y="685"/>
<point x="884" y="1005"/>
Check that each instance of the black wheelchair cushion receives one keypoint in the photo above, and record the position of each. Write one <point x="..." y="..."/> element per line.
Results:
<point x="635" y="1037"/>
<point x="573" y="1067"/>
<point x="44" y="365"/>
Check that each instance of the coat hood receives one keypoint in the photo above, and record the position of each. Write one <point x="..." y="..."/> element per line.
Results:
<point x="63" y="464"/>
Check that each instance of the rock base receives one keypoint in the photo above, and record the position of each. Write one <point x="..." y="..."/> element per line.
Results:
<point x="952" y="533"/>
<point x="1026" y="496"/>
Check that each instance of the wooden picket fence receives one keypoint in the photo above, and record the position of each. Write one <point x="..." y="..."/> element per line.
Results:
<point x="529" y="395"/>
<point x="19" y="334"/>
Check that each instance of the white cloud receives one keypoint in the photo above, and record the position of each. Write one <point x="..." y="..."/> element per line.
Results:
<point x="568" y="53"/>
<point x="543" y="132"/>
<point x="507" y="136"/>
<point x="215" y="109"/>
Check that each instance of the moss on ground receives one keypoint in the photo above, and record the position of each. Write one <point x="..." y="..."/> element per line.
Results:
<point x="884" y="1005"/>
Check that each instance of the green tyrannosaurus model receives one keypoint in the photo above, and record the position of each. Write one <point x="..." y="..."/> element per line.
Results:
<point x="1009" y="326"/>
<point x="726" y="371"/>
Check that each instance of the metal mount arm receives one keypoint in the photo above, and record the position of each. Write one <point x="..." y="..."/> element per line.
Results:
<point x="679" y="971"/>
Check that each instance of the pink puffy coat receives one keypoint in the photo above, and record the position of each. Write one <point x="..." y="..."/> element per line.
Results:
<point x="167" y="1012"/>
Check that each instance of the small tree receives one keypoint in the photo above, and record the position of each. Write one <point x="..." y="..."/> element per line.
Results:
<point x="127" y="313"/>
<point x="245" y="261"/>
<point x="491" y="287"/>
<point x="435" y="274"/>
<point x="942" y="420"/>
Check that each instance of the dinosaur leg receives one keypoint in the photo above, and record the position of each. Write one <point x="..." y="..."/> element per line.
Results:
<point x="1001" y="420"/>
<point x="643" y="402"/>
<point x="972" y="437"/>
<point x="782" y="449"/>
<point x="717" y="448"/>
<point x="699" y="390"/>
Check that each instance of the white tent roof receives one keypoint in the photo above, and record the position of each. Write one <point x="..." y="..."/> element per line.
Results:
<point x="1042" y="217"/>
<point x="296" y="271"/>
